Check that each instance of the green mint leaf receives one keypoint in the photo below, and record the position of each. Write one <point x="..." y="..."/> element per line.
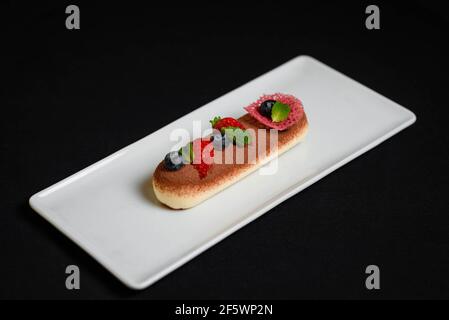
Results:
<point x="279" y="112"/>
<point x="238" y="136"/>
<point x="187" y="153"/>
<point x="229" y="129"/>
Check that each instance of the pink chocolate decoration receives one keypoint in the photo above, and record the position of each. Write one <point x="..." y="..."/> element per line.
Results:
<point x="296" y="110"/>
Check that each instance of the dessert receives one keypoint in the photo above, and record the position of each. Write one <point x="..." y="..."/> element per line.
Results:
<point x="272" y="125"/>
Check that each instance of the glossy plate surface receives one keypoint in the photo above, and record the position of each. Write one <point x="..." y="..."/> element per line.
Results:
<point x="109" y="209"/>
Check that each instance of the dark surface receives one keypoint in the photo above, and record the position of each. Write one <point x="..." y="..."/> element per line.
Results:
<point x="71" y="98"/>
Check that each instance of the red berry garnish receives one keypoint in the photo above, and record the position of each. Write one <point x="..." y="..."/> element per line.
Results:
<point x="219" y="123"/>
<point x="202" y="169"/>
<point x="202" y="160"/>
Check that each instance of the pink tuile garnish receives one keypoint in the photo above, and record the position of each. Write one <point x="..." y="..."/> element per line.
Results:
<point x="296" y="110"/>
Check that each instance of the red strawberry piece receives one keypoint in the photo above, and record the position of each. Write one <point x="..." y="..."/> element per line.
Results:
<point x="203" y="158"/>
<point x="219" y="123"/>
<point x="202" y="169"/>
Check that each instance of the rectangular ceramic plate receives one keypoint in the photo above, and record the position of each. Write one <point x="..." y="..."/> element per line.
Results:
<point x="109" y="209"/>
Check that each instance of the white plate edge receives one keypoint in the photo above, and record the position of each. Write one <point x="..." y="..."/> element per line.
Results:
<point x="296" y="188"/>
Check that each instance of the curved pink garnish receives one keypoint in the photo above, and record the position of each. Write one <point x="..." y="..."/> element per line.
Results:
<point x="296" y="110"/>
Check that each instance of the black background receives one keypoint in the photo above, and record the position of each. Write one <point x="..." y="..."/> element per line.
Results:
<point x="71" y="97"/>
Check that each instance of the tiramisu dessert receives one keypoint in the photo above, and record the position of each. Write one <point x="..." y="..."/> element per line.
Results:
<point x="272" y="125"/>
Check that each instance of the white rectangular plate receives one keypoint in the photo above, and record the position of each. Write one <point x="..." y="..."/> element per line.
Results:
<point x="109" y="209"/>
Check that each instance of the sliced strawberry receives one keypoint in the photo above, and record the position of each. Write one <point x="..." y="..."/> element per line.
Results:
<point x="237" y="130"/>
<point x="219" y="123"/>
<point x="203" y="159"/>
<point x="202" y="169"/>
